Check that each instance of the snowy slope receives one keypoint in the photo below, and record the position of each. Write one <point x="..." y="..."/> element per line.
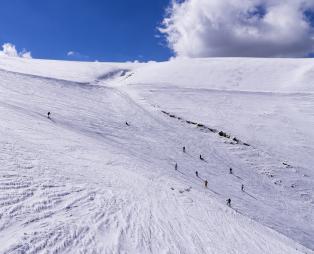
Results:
<point x="84" y="182"/>
<point x="240" y="74"/>
<point x="275" y="94"/>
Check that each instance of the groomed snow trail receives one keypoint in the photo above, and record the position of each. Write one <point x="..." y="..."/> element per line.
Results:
<point x="84" y="182"/>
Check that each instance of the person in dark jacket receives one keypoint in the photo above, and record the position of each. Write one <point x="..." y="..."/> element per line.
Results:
<point x="196" y="173"/>
<point x="201" y="158"/>
<point x="176" y="166"/>
<point x="242" y="187"/>
<point x="228" y="202"/>
<point x="230" y="171"/>
<point x="183" y="148"/>
<point x="48" y="115"/>
<point x="206" y="183"/>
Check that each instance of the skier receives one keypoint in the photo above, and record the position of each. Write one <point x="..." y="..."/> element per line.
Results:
<point x="228" y="202"/>
<point x="196" y="173"/>
<point x="242" y="187"/>
<point x="48" y="115"/>
<point x="206" y="182"/>
<point x="201" y="158"/>
<point x="230" y="170"/>
<point x="126" y="123"/>
<point x="176" y="166"/>
<point x="183" y="149"/>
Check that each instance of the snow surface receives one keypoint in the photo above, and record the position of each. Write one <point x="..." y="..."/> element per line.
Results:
<point x="85" y="182"/>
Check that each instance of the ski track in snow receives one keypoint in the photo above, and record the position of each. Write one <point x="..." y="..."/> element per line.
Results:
<point x="83" y="182"/>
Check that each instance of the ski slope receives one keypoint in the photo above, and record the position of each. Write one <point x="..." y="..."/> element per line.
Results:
<point x="85" y="182"/>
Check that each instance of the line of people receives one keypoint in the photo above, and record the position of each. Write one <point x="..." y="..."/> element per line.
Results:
<point x="228" y="201"/>
<point x="176" y="165"/>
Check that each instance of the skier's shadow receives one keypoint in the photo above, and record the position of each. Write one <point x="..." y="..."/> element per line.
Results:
<point x="213" y="191"/>
<point x="181" y="172"/>
<point x="52" y="120"/>
<point x="249" y="195"/>
<point x="188" y="154"/>
<point x="203" y="160"/>
<point x="232" y="174"/>
<point x="238" y="177"/>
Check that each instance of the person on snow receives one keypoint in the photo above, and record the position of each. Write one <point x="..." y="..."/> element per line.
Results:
<point x="127" y="124"/>
<point x="206" y="183"/>
<point x="242" y="187"/>
<point x="176" y="166"/>
<point x="48" y="115"/>
<point x="196" y="173"/>
<point x="230" y="171"/>
<point x="228" y="202"/>
<point x="183" y="148"/>
<point x="201" y="158"/>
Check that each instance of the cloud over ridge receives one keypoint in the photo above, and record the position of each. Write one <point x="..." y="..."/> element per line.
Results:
<point x="9" y="49"/>
<point x="248" y="28"/>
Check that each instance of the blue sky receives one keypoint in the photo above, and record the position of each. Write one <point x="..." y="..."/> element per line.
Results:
<point x="104" y="30"/>
<point x="126" y="30"/>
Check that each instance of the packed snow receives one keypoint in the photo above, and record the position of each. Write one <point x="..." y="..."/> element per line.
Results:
<point x="98" y="175"/>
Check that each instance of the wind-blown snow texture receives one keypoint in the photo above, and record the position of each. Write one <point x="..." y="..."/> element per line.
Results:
<point x="85" y="182"/>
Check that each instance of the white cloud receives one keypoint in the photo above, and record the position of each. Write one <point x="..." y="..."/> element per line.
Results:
<point x="9" y="49"/>
<point x="71" y="53"/>
<point x="76" y="55"/>
<point x="25" y="54"/>
<point x="261" y="28"/>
